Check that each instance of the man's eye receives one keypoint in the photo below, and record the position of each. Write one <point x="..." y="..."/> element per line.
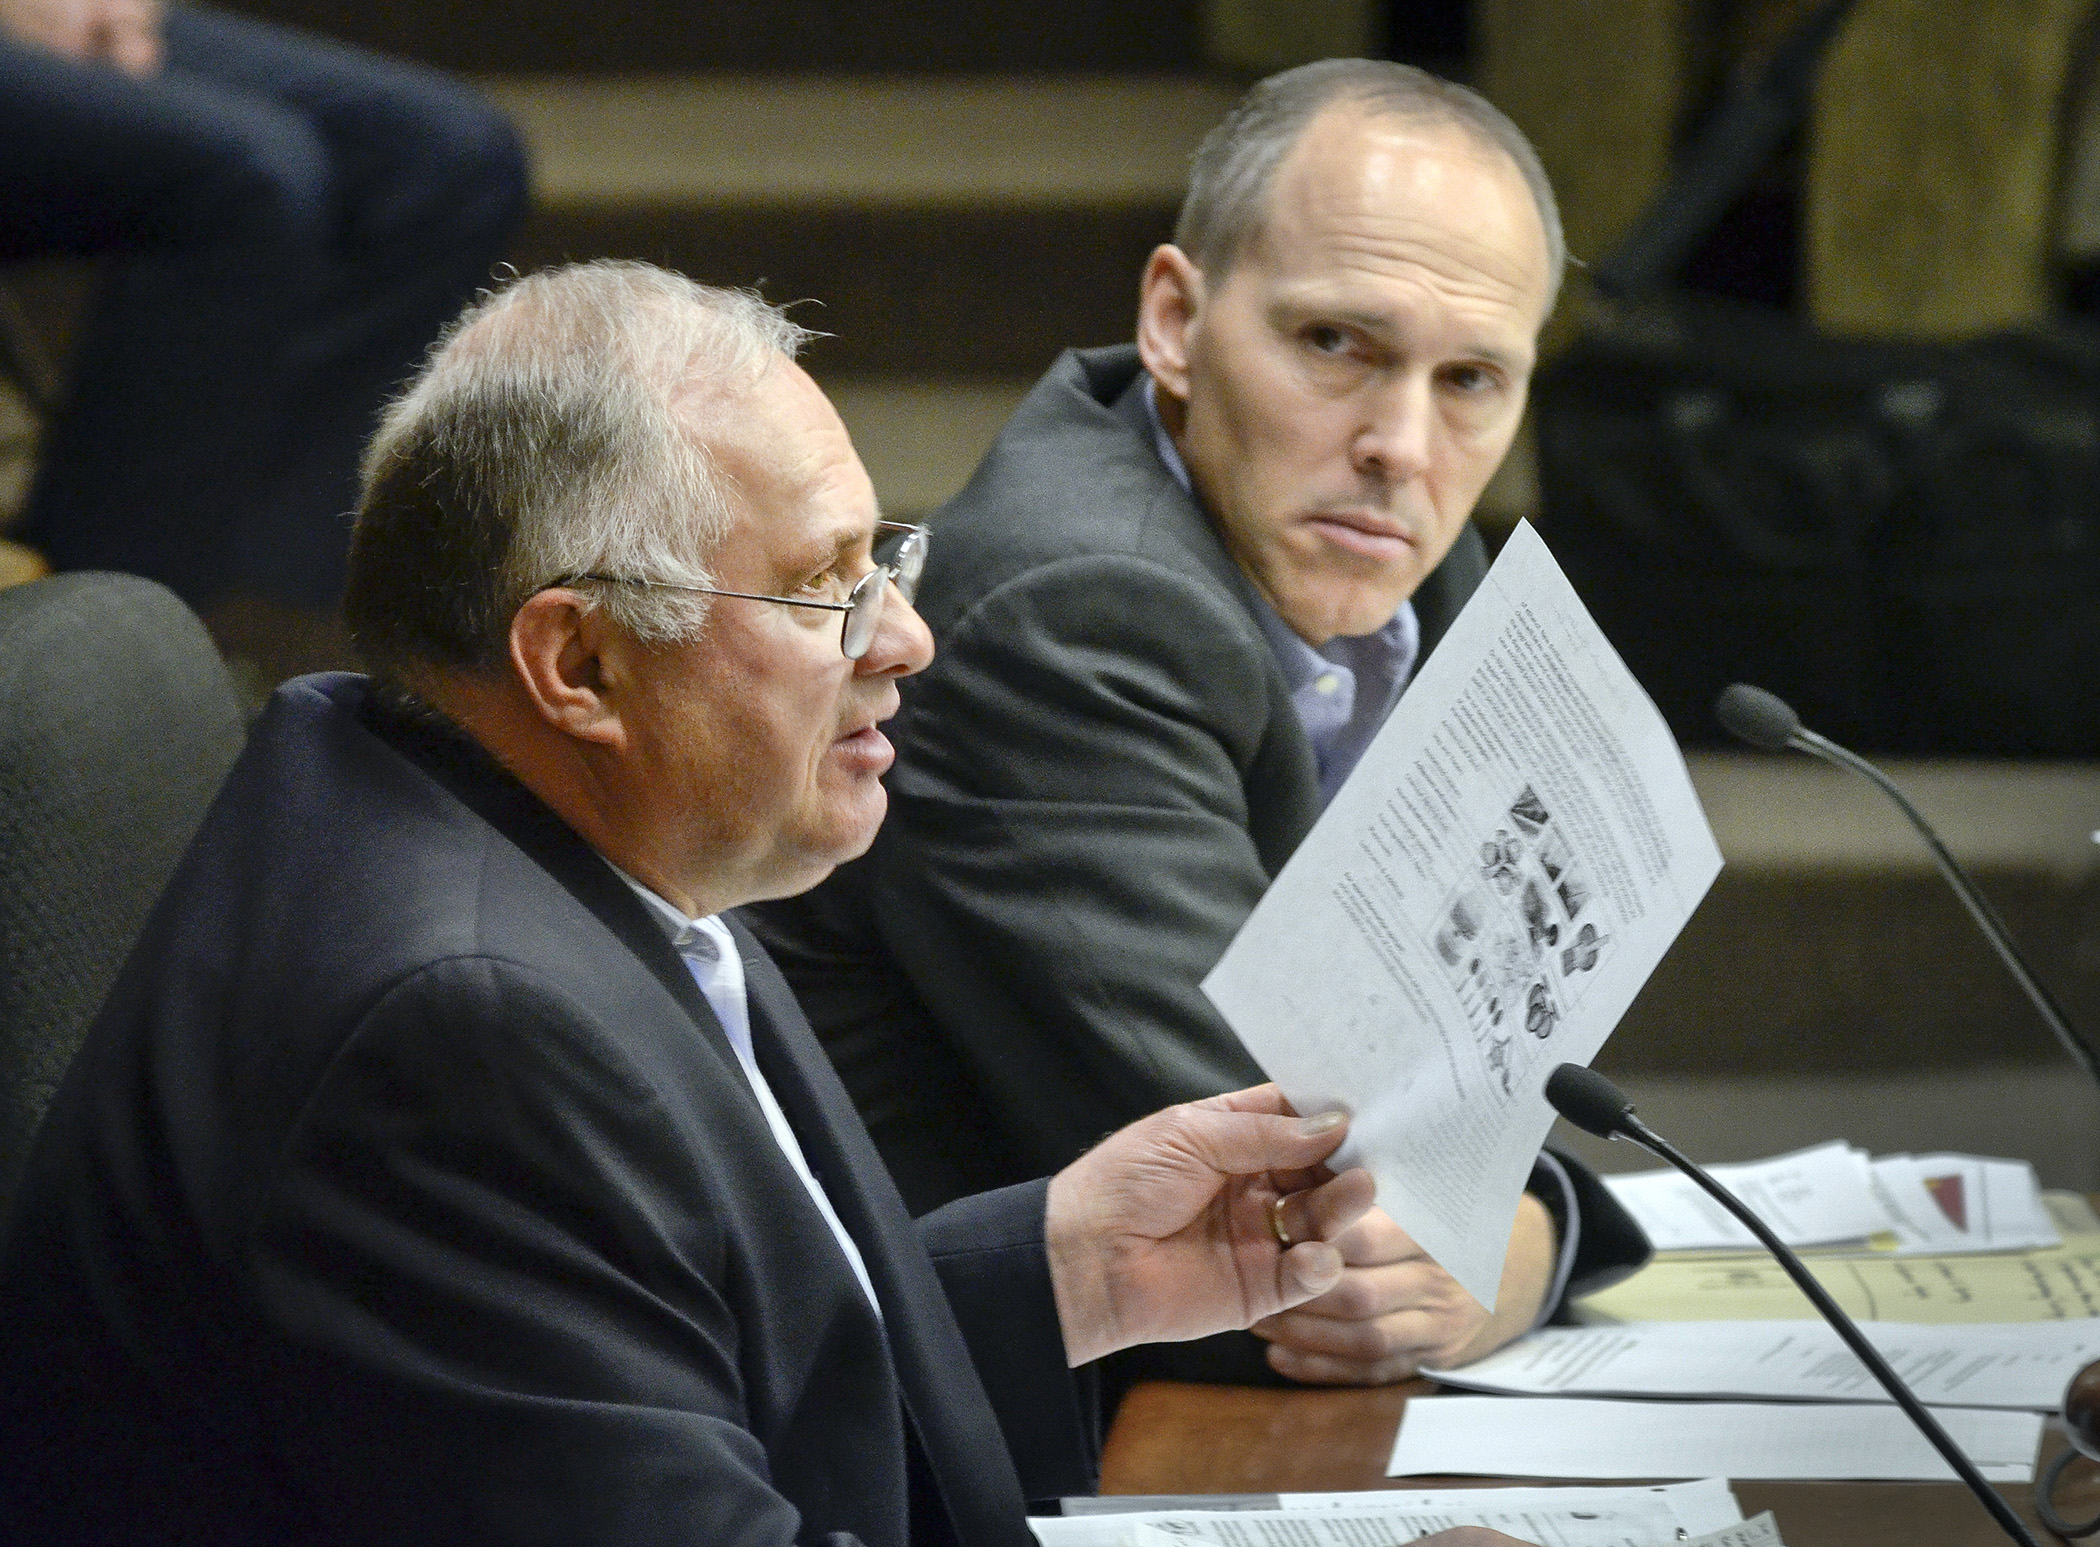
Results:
<point x="1326" y="339"/>
<point x="823" y="587"/>
<point x="1471" y="379"/>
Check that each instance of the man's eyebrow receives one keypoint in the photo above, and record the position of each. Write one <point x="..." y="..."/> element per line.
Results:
<point x="1381" y="325"/>
<point x="817" y="557"/>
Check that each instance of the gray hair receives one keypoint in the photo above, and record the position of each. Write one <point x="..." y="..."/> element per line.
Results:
<point x="541" y="441"/>
<point x="1230" y="173"/>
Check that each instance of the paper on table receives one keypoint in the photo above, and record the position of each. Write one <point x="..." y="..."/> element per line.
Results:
<point x="2046" y="1285"/>
<point x="1479" y="903"/>
<point x="1578" y="1437"/>
<point x="1952" y="1203"/>
<point x="1760" y="1532"/>
<point x="1703" y="1505"/>
<point x="1553" y="1517"/>
<point x="1808" y="1197"/>
<point x="1833" y="1193"/>
<point x="2023" y="1365"/>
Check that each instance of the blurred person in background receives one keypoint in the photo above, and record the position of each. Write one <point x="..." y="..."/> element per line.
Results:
<point x="288" y="223"/>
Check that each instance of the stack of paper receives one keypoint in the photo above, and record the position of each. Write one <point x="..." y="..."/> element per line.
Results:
<point x="1552" y="1517"/>
<point x="2021" y="1365"/>
<point x="1574" y="1437"/>
<point x="1198" y="1533"/>
<point x="2052" y="1283"/>
<point x="1833" y="1194"/>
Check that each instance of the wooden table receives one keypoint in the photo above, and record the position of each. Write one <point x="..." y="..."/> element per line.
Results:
<point x="1173" y="1438"/>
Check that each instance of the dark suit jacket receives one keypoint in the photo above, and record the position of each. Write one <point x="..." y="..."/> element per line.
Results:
<point x="1097" y="778"/>
<point x="408" y="1190"/>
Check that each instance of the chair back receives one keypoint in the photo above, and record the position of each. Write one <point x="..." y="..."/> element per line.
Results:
<point x="117" y="725"/>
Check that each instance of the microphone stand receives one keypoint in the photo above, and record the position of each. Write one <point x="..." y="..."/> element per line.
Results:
<point x="1979" y="906"/>
<point x="1593" y="1103"/>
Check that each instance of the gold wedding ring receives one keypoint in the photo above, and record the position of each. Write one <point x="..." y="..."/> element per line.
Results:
<point x="1283" y="1236"/>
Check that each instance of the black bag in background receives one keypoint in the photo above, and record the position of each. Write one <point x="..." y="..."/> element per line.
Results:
<point x="1902" y="540"/>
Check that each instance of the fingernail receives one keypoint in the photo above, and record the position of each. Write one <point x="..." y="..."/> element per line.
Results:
<point x="1319" y="1266"/>
<point x="1322" y="1122"/>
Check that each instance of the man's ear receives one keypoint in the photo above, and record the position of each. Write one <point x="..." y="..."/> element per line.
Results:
<point x="568" y="660"/>
<point x="1170" y="299"/>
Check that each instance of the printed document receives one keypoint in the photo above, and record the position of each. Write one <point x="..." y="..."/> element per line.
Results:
<point x="1551" y="1517"/>
<point x="1833" y="1193"/>
<point x="1291" y="1531"/>
<point x="2050" y="1284"/>
<point x="2024" y="1365"/>
<point x="1578" y="1437"/>
<point x="1480" y="903"/>
<point x="1763" y="1531"/>
<point x="1808" y="1198"/>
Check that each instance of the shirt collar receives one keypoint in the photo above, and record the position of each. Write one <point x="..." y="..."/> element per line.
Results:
<point x="679" y="928"/>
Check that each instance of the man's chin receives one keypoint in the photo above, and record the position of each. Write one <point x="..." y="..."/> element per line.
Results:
<point x="852" y="836"/>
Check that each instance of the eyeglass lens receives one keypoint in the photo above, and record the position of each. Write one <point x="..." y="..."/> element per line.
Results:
<point x="900" y="565"/>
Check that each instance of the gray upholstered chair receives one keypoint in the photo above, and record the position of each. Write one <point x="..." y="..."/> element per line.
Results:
<point x="117" y="725"/>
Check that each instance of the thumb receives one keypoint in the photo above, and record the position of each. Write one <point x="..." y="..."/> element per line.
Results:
<point x="1246" y="1143"/>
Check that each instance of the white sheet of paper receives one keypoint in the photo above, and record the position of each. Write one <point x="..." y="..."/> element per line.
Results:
<point x="1761" y="1530"/>
<point x="1479" y="903"/>
<point x="1698" y="1507"/>
<point x="1983" y="1364"/>
<point x="1552" y="1517"/>
<point x="1962" y="1203"/>
<point x="1579" y="1437"/>
<point x="1809" y="1198"/>
<point x="1832" y="1193"/>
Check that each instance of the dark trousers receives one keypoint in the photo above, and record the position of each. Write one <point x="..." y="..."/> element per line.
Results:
<point x="292" y="222"/>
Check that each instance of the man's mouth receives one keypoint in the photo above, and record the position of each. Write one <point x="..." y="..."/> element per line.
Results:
<point x="866" y="750"/>
<point x="1364" y="535"/>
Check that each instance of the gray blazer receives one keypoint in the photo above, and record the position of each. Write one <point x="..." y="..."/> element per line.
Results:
<point x="1097" y="778"/>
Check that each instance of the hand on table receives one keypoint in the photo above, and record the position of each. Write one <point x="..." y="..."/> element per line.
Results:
<point x="1395" y="1311"/>
<point x="1162" y="1232"/>
<point x="124" y="33"/>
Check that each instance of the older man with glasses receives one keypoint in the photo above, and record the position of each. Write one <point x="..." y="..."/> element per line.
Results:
<point x="446" y="1167"/>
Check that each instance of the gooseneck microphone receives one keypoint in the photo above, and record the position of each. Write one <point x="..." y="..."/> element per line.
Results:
<point x="1595" y="1105"/>
<point x="1768" y="722"/>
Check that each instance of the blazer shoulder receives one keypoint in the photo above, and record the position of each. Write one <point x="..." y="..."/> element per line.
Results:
<point x="1071" y="475"/>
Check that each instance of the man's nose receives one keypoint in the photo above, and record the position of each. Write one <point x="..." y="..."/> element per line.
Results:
<point x="902" y="644"/>
<point x="1393" y="438"/>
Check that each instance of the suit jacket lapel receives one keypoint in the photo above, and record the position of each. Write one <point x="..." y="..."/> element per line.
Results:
<point x="486" y="788"/>
<point x="961" y="1434"/>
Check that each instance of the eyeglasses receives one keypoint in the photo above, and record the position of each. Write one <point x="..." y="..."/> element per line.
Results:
<point x="906" y="561"/>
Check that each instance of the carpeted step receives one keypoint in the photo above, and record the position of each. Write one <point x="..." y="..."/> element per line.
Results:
<point x="963" y="226"/>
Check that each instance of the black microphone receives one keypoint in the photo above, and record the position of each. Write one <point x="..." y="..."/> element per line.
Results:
<point x="1595" y="1105"/>
<point x="1768" y="722"/>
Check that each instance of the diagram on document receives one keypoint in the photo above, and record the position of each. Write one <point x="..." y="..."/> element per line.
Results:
<point x="1520" y="938"/>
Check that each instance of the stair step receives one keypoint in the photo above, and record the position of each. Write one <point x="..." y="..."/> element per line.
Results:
<point x="949" y="226"/>
<point x="1829" y="942"/>
<point x="896" y="35"/>
<point x="921" y="440"/>
<point x="903" y="142"/>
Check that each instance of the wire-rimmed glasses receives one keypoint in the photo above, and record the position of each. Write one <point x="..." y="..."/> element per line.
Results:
<point x="905" y="562"/>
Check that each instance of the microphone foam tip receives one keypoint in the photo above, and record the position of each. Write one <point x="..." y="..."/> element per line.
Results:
<point x="1760" y="718"/>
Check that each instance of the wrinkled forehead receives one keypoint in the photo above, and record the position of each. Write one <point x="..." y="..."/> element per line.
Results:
<point x="1358" y="180"/>
<point x="776" y="439"/>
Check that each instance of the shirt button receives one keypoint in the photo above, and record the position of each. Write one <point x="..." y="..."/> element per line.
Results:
<point x="1326" y="683"/>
